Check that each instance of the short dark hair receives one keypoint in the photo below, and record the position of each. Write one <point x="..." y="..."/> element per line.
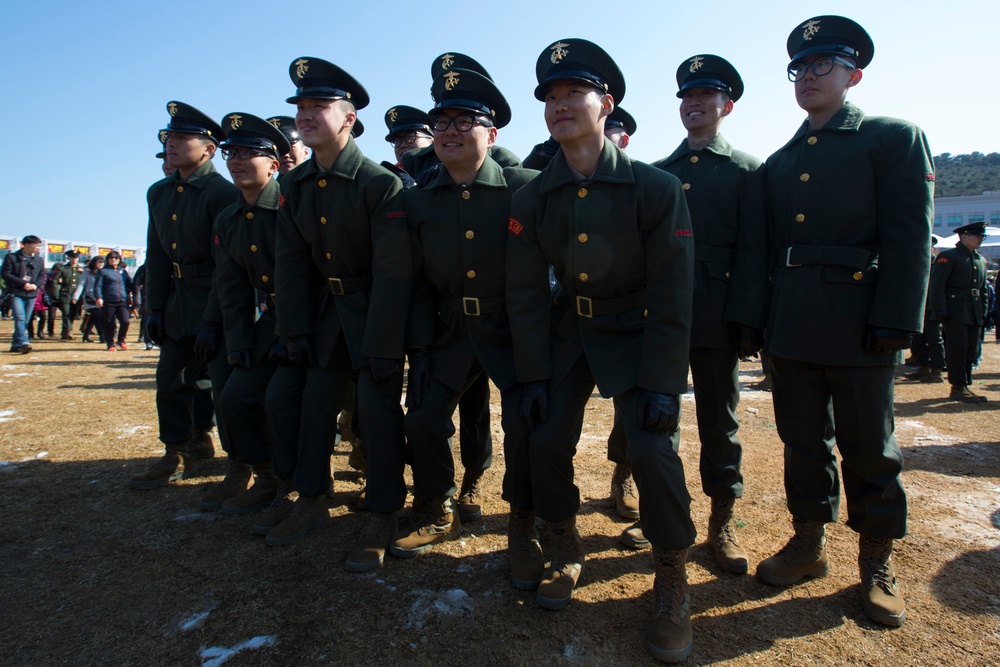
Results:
<point x="30" y="238"/>
<point x="114" y="253"/>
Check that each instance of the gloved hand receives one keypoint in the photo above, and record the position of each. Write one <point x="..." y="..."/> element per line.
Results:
<point x="940" y="315"/>
<point x="299" y="351"/>
<point x="279" y="353"/>
<point x="154" y="326"/>
<point x="383" y="369"/>
<point x="418" y="378"/>
<point x="884" y="339"/>
<point x="239" y="358"/>
<point x="534" y="404"/>
<point x="656" y="412"/>
<point x="746" y="339"/>
<point x="207" y="341"/>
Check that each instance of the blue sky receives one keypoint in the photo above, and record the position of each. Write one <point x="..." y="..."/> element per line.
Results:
<point x="85" y="85"/>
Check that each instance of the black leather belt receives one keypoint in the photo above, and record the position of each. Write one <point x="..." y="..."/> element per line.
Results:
<point x="856" y="258"/>
<point x="589" y="307"/>
<point x="342" y="286"/>
<point x="473" y="306"/>
<point x="193" y="270"/>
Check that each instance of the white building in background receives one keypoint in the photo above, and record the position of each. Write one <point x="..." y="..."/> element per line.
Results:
<point x="952" y="212"/>
<point x="54" y="250"/>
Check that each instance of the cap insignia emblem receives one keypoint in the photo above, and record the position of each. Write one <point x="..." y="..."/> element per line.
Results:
<point x="275" y="121"/>
<point x="696" y="64"/>
<point x="300" y="67"/>
<point x="172" y="108"/>
<point x="450" y="80"/>
<point x="393" y="115"/>
<point x="447" y="60"/>
<point x="163" y="136"/>
<point x="811" y="29"/>
<point x="559" y="51"/>
<point x="235" y="120"/>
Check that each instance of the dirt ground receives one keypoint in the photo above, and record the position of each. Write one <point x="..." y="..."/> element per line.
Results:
<point x="94" y="574"/>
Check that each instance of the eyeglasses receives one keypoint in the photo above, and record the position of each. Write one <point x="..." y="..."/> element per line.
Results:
<point x="243" y="153"/>
<point x="407" y="139"/>
<point x="462" y="123"/>
<point x="820" y="67"/>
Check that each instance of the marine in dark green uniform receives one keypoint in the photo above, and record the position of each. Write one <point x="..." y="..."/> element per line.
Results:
<point x="297" y="151"/>
<point x="618" y="237"/>
<point x="66" y="278"/>
<point x="458" y="222"/>
<point x="409" y="130"/>
<point x="184" y="317"/>
<point x="958" y="299"/>
<point x="850" y="203"/>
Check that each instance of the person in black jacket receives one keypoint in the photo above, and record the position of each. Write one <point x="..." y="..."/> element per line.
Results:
<point x="22" y="272"/>
<point x="113" y="290"/>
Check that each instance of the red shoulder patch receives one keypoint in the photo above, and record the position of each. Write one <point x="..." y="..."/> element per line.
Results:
<point x="396" y="214"/>
<point x="281" y="200"/>
<point x="682" y="232"/>
<point x="943" y="260"/>
<point x="216" y="239"/>
<point x="928" y="177"/>
<point x="514" y="227"/>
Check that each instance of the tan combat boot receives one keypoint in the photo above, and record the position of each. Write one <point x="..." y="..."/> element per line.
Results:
<point x="803" y="556"/>
<point x="729" y="555"/>
<point x="965" y="395"/>
<point x="439" y="522"/>
<point x="633" y="538"/>
<point x="880" y="596"/>
<point x="527" y="563"/>
<point x="258" y="496"/>
<point x="307" y="513"/>
<point x="555" y="590"/>
<point x="175" y="464"/>
<point x="235" y="482"/>
<point x="470" y="497"/>
<point x="275" y="513"/>
<point x="670" y="629"/>
<point x="369" y="550"/>
<point x="624" y="492"/>
<point x="200" y="445"/>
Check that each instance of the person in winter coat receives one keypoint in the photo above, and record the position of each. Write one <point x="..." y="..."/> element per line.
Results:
<point x="84" y="294"/>
<point x="113" y="290"/>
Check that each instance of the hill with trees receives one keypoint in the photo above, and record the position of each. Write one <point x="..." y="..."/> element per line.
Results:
<point x="958" y="175"/>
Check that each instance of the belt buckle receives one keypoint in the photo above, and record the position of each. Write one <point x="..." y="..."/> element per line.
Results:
<point x="583" y="302"/>
<point x="788" y="259"/>
<point x="177" y="270"/>
<point x="336" y="286"/>
<point x="472" y="301"/>
<point x="975" y="291"/>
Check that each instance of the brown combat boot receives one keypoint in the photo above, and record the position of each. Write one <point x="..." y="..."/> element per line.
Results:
<point x="729" y="555"/>
<point x="258" y="496"/>
<point x="933" y="377"/>
<point x="307" y="513"/>
<point x="369" y="551"/>
<point x="470" y="497"/>
<point x="555" y="590"/>
<point x="965" y="395"/>
<point x="670" y="629"/>
<point x="275" y="513"/>
<point x="880" y="596"/>
<point x="527" y="563"/>
<point x="803" y="556"/>
<point x="624" y="492"/>
<point x="633" y="538"/>
<point x="439" y="522"/>
<point x="235" y="482"/>
<point x="200" y="445"/>
<point x="175" y="464"/>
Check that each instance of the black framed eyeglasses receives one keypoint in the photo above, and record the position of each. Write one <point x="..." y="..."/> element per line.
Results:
<point x="462" y="123"/>
<point x="819" y="67"/>
<point x="405" y="138"/>
<point x="243" y="153"/>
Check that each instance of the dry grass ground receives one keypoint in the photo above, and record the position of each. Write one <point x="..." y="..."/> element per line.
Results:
<point x="94" y="574"/>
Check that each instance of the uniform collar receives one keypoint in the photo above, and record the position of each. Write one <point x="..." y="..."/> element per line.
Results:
<point x="198" y="177"/>
<point x="613" y="167"/>
<point x="268" y="197"/>
<point x="718" y="145"/>
<point x="346" y="166"/>
<point x="490" y="176"/>
<point x="965" y="251"/>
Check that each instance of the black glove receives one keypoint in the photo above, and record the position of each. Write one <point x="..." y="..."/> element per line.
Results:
<point x="383" y="369"/>
<point x="207" y="340"/>
<point x="940" y="315"/>
<point x="154" y="326"/>
<point x="239" y="358"/>
<point x="746" y="339"/>
<point x="534" y="404"/>
<point x="657" y="413"/>
<point x="418" y="378"/>
<point x="299" y="351"/>
<point x="883" y="339"/>
<point x="279" y="353"/>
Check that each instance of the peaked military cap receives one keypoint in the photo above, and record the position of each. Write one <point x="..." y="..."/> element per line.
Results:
<point x="162" y="136"/>
<point x="708" y="71"/>
<point x="287" y="126"/>
<point x="972" y="228"/>
<point x="455" y="60"/>
<point x="623" y="119"/>
<point x="831" y="35"/>
<point x="580" y="60"/>
<point x="185" y="119"/>
<point x="318" y="79"/>
<point x="243" y="129"/>
<point x="469" y="91"/>
<point x="402" y="118"/>
<point x="358" y="128"/>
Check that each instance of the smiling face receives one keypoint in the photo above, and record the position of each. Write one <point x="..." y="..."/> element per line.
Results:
<point x="575" y="111"/>
<point x="825" y="95"/>
<point x="324" y="123"/>
<point x="463" y="151"/>
<point x="253" y="173"/>
<point x="296" y="156"/>
<point x="704" y="108"/>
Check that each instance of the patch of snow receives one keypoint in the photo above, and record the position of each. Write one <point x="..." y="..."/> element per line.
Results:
<point x="41" y="455"/>
<point x="19" y="375"/>
<point x="194" y="622"/>
<point x="430" y="604"/>
<point x="8" y="415"/>
<point x="217" y="655"/>
<point x="127" y="430"/>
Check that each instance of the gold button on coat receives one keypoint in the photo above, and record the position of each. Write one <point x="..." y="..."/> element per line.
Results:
<point x="173" y="217"/>
<point x="858" y="275"/>
<point x="180" y="188"/>
<point x="322" y="220"/>
<point x="249" y="215"/>
<point x="727" y="274"/>
<point x="253" y="248"/>
<point x="804" y="177"/>
<point x="686" y="186"/>
<point x="264" y="278"/>
<point x="329" y="256"/>
<point x="811" y="140"/>
<point x="322" y="183"/>
<point x="800" y="218"/>
<point x="471" y="274"/>
<point x="694" y="159"/>
<point x="581" y="193"/>
<point x="584" y="277"/>
<point x="173" y="246"/>
<point x="469" y="234"/>
<point x="582" y="238"/>
<point x="466" y="194"/>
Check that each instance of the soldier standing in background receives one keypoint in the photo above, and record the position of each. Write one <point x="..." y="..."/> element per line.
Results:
<point x="66" y="278"/>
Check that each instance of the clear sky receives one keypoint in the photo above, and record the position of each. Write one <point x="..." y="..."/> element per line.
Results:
<point x="85" y="85"/>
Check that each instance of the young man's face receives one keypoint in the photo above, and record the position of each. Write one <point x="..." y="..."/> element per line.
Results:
<point x="825" y="94"/>
<point x="31" y="248"/>
<point x="414" y="141"/>
<point x="573" y="110"/>
<point x="320" y="121"/>
<point x="704" y="108"/>
<point x="463" y="150"/>
<point x="972" y="241"/>
<point x="184" y="151"/>
<point x="296" y="156"/>
<point x="72" y="261"/>
<point x="251" y="173"/>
